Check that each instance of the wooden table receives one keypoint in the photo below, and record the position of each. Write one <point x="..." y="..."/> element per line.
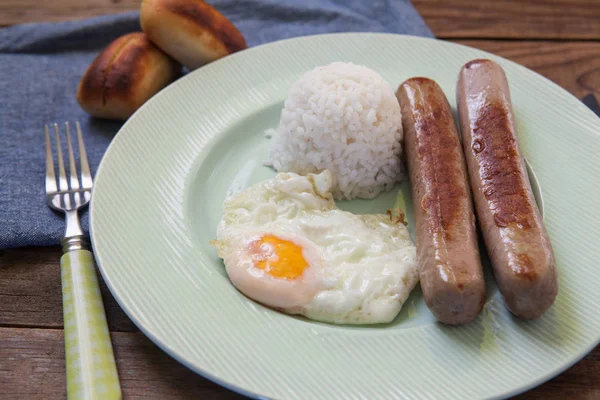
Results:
<point x="560" y="39"/>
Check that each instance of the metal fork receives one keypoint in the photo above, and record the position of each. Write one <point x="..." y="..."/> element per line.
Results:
<point x="90" y="362"/>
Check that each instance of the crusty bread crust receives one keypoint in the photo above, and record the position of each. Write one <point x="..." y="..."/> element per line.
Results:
<point x="191" y="31"/>
<point x="124" y="76"/>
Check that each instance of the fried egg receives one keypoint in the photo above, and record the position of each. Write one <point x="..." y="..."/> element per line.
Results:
<point x="286" y="245"/>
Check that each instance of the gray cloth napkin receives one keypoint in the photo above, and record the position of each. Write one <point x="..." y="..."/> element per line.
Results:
<point x="41" y="65"/>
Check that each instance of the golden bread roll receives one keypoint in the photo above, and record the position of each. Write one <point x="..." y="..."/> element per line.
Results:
<point x="191" y="31"/>
<point x="124" y="76"/>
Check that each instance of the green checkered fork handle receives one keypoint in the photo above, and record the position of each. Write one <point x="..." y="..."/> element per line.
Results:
<point x="91" y="367"/>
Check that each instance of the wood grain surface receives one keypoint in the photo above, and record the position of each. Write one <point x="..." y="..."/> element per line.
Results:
<point x="573" y="65"/>
<point x="32" y="359"/>
<point x="565" y="48"/>
<point x="25" y="11"/>
<point x="515" y="19"/>
<point x="30" y="292"/>
<point x="32" y="367"/>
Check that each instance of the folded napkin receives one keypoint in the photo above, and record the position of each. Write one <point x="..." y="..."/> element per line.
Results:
<point x="41" y="65"/>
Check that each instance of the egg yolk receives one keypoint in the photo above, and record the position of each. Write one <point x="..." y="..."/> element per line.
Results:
<point x="278" y="257"/>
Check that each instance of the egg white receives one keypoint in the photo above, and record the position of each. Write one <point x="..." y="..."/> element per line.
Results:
<point x="361" y="268"/>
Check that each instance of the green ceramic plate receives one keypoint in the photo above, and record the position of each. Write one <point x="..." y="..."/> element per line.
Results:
<point x="158" y="198"/>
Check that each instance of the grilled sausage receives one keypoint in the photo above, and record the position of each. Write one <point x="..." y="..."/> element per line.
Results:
<point x="517" y="243"/>
<point x="451" y="273"/>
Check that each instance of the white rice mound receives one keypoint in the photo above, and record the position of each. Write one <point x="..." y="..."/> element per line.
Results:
<point x="345" y="118"/>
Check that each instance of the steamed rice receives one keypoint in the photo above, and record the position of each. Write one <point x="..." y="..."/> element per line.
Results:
<point x="345" y="118"/>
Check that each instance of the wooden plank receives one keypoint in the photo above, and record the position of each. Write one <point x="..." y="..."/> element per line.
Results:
<point x="32" y="359"/>
<point x="30" y="291"/>
<point x="573" y="65"/>
<point x="32" y="367"/>
<point x="516" y="19"/>
<point x="25" y="11"/>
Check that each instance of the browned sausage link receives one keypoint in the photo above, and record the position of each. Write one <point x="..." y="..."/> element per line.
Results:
<point x="447" y="252"/>
<point x="518" y="245"/>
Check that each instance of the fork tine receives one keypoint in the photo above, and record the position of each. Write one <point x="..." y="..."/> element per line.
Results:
<point x="50" y="175"/>
<point x="73" y="178"/>
<point x="62" y="176"/>
<point x="86" y="176"/>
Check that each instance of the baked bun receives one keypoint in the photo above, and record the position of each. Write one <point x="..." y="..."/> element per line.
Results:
<point x="126" y="74"/>
<point x="191" y="31"/>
